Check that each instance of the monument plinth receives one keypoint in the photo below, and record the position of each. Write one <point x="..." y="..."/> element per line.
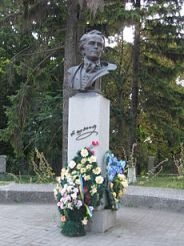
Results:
<point x="88" y="121"/>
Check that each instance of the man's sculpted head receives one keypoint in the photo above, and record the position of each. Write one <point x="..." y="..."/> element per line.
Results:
<point x="92" y="45"/>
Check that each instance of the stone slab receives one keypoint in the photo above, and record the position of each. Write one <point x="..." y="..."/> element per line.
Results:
<point x="102" y="221"/>
<point x="89" y="115"/>
<point x="2" y="164"/>
<point x="157" y="198"/>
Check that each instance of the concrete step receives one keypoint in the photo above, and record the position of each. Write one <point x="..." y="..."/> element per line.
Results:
<point x="136" y="196"/>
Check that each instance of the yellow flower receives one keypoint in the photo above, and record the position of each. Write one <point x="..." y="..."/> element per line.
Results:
<point x="114" y="194"/>
<point x="84" y="152"/>
<point x="121" y="177"/>
<point x="124" y="183"/>
<point x="120" y="194"/>
<point x="99" y="179"/>
<point x="64" y="172"/>
<point x="79" y="166"/>
<point x="83" y="170"/>
<point x="97" y="170"/>
<point x="111" y="185"/>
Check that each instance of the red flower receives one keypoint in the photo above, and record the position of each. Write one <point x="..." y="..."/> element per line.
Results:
<point x="87" y="196"/>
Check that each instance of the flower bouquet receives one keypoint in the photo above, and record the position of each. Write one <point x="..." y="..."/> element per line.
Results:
<point x="115" y="179"/>
<point x="79" y="190"/>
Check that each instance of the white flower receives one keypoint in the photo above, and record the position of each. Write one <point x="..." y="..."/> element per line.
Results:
<point x="69" y="188"/>
<point x="87" y="177"/>
<point x="92" y="159"/>
<point x="58" y="179"/>
<point x="77" y="181"/>
<point x="97" y="170"/>
<point x="74" y="172"/>
<point x="74" y="196"/>
<point x="83" y="160"/>
<point x="121" y="176"/>
<point x="55" y="193"/>
<point x="76" y="190"/>
<point x="93" y="191"/>
<point x="99" y="179"/>
<point x="70" y="206"/>
<point x="84" y="152"/>
<point x="89" y="166"/>
<point x="79" y="166"/>
<point x="72" y="164"/>
<point x="79" y="204"/>
<point x="64" y="172"/>
<point x="85" y="221"/>
<point x="124" y="183"/>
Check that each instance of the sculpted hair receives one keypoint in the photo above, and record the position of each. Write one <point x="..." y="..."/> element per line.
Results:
<point x="88" y="35"/>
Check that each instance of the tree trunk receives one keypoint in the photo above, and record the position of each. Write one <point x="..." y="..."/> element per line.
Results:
<point x="135" y="81"/>
<point x="74" y="30"/>
<point x="69" y="60"/>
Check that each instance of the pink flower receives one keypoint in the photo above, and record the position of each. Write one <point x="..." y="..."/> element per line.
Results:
<point x="93" y="143"/>
<point x="58" y="204"/>
<point x="63" y="218"/>
<point x="93" y="152"/>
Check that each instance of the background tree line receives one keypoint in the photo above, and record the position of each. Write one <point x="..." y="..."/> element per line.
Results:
<point x="39" y="42"/>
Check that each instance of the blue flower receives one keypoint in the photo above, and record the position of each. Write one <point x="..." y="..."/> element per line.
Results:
<point x="114" y="166"/>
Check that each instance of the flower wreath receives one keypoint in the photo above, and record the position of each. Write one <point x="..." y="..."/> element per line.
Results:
<point x="79" y="190"/>
<point x="116" y="180"/>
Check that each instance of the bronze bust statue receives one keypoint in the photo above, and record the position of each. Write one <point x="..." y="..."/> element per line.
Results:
<point x="87" y="75"/>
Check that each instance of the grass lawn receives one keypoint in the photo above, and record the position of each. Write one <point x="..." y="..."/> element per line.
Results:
<point x="3" y="183"/>
<point x="170" y="181"/>
<point x="22" y="179"/>
<point x="163" y="181"/>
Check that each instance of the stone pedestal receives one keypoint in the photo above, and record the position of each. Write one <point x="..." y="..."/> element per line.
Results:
<point x="151" y="162"/>
<point x="102" y="221"/>
<point x="132" y="175"/>
<point x="89" y="115"/>
<point x="2" y="164"/>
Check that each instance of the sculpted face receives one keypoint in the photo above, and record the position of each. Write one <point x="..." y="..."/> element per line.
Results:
<point x="93" y="47"/>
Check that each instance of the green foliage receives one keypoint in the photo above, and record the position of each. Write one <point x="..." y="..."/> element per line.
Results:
<point x="73" y="228"/>
<point x="31" y="81"/>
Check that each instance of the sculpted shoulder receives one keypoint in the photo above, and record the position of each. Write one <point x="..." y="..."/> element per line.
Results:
<point x="71" y="73"/>
<point x="72" y="70"/>
<point x="108" y="66"/>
